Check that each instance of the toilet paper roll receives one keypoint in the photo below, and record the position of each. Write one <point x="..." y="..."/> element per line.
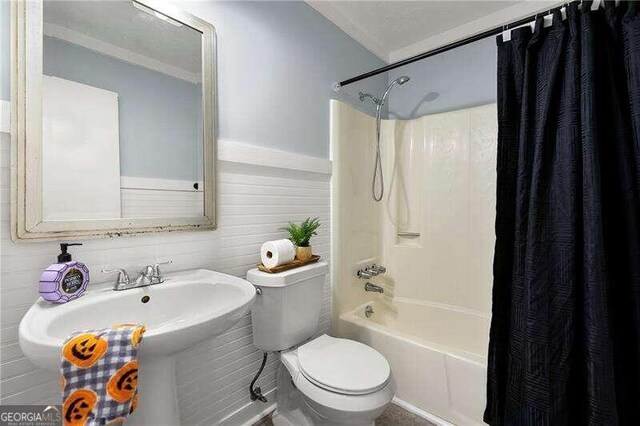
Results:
<point x="276" y="253"/>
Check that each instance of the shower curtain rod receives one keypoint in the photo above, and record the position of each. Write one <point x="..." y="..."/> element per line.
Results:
<point x="446" y="47"/>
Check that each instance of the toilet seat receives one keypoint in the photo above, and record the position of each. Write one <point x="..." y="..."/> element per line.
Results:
<point x="326" y="399"/>
<point x="343" y="366"/>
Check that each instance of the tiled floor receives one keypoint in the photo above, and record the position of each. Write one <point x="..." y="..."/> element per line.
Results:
<point x="397" y="416"/>
<point x="266" y="421"/>
<point x="392" y="416"/>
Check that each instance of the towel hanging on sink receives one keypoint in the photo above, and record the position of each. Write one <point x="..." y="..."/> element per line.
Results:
<point x="99" y="375"/>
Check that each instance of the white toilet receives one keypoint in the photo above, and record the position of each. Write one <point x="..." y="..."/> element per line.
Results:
<point x="322" y="380"/>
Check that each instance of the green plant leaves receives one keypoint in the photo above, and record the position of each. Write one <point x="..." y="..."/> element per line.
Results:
<point x="301" y="234"/>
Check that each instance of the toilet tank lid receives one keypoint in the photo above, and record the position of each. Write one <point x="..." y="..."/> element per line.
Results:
<point x="292" y="276"/>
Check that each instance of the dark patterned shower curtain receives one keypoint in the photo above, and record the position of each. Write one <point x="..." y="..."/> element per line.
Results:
<point x="565" y="332"/>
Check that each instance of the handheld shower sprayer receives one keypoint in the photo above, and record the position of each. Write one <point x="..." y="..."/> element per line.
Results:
<point x="379" y="103"/>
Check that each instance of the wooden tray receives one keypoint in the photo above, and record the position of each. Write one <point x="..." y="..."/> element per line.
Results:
<point x="295" y="264"/>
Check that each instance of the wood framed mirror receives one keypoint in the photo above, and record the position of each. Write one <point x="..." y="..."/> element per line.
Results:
<point x="113" y="119"/>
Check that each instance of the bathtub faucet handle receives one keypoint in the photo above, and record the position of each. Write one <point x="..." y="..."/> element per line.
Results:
<point x="378" y="268"/>
<point x="364" y="274"/>
<point x="372" y="271"/>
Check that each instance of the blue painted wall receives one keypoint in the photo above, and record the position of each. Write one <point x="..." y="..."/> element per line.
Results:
<point x="461" y="78"/>
<point x="160" y="130"/>
<point x="276" y="64"/>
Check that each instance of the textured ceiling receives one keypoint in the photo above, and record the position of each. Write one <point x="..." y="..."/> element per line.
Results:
<point x="393" y="25"/>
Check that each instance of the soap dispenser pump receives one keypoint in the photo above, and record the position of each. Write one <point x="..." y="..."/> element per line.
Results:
<point x="65" y="280"/>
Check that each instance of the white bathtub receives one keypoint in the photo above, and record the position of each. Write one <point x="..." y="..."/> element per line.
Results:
<point x="437" y="354"/>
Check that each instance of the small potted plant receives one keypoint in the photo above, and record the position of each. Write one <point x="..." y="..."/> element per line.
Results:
<point x="300" y="236"/>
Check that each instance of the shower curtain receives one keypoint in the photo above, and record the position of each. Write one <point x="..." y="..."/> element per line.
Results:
<point x="565" y="333"/>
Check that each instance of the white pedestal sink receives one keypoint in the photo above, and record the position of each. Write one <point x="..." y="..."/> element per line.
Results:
<point x="187" y="308"/>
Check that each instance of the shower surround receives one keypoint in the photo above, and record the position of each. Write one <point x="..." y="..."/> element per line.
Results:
<point x="433" y="231"/>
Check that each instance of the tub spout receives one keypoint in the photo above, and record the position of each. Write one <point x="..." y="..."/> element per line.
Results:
<point x="374" y="288"/>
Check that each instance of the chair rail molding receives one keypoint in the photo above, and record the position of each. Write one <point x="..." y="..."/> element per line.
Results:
<point x="234" y="152"/>
<point x="240" y="152"/>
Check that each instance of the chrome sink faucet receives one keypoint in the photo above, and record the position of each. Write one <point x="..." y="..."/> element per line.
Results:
<point x="122" y="280"/>
<point x="146" y="277"/>
<point x="150" y="275"/>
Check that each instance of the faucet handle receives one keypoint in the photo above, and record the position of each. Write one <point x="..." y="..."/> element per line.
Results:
<point x="157" y="273"/>
<point x="379" y="268"/>
<point x="145" y="277"/>
<point x="147" y="271"/>
<point x="122" y="279"/>
<point x="373" y="271"/>
<point x="364" y="274"/>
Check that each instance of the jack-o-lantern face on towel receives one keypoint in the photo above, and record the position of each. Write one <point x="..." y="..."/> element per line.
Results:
<point x="84" y="350"/>
<point x="78" y="406"/>
<point x="123" y="385"/>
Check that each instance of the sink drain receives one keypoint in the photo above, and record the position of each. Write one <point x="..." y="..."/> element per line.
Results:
<point x="145" y="299"/>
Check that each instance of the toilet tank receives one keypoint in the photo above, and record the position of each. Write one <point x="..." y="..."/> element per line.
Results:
<point x="288" y="310"/>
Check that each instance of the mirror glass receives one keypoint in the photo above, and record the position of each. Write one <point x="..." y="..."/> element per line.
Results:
<point x="122" y="131"/>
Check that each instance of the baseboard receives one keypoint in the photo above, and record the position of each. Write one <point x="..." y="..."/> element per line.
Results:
<point x="421" y="413"/>
<point x="252" y="412"/>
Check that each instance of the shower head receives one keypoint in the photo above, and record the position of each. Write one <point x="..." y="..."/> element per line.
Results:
<point x="399" y="81"/>
<point x="380" y="101"/>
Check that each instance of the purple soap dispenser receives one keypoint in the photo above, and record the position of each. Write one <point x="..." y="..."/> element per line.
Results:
<point x="65" y="280"/>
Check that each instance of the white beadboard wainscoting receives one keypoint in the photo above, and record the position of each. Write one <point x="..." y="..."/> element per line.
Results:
<point x="141" y="203"/>
<point x="149" y="197"/>
<point x="254" y="200"/>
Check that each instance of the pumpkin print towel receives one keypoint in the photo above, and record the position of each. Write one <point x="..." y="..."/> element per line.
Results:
<point x="100" y="375"/>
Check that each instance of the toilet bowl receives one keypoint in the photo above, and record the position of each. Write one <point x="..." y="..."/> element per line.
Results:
<point x="322" y="380"/>
<point x="337" y="381"/>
